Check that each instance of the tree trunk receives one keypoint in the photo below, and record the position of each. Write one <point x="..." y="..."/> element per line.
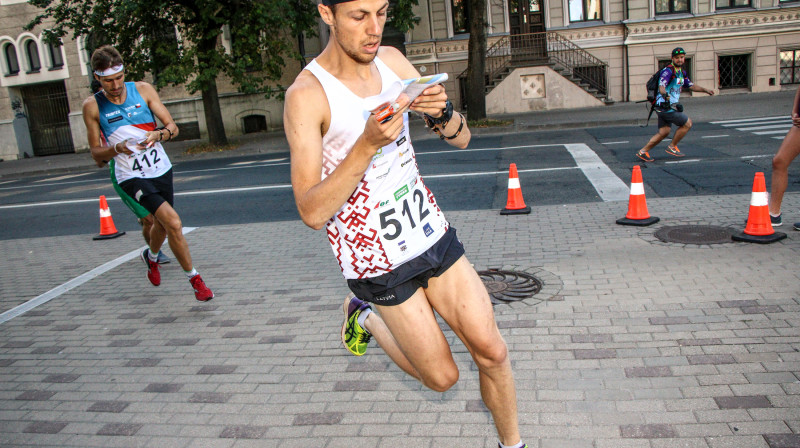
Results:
<point x="213" y="114"/>
<point x="476" y="60"/>
<point x="211" y="109"/>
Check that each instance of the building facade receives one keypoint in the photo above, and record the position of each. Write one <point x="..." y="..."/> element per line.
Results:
<point x="543" y="54"/>
<point x="732" y="46"/>
<point x="42" y="89"/>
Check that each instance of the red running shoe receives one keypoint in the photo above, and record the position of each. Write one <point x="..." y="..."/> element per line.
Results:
<point x="152" y="268"/>
<point x="201" y="291"/>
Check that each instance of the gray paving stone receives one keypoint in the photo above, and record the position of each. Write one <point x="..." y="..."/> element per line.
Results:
<point x="677" y="342"/>
<point x="108" y="406"/>
<point x="119" y="429"/>
<point x="782" y="440"/>
<point x="743" y="402"/>
<point x="650" y="431"/>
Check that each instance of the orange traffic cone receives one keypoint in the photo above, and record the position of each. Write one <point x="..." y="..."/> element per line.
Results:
<point x="637" y="205"/>
<point x="515" y="205"/>
<point x="759" y="226"/>
<point x="107" y="228"/>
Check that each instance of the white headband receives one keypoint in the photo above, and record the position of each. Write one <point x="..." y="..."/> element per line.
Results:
<point x="109" y="71"/>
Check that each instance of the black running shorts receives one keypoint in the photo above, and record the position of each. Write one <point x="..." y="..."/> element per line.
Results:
<point x="666" y="119"/>
<point x="395" y="287"/>
<point x="150" y="193"/>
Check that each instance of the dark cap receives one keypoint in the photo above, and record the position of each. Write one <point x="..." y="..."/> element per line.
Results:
<point x="677" y="51"/>
<point x="334" y="2"/>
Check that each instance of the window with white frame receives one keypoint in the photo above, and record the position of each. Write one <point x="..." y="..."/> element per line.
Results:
<point x="790" y="66"/>
<point x="56" y="58"/>
<point x="672" y="6"/>
<point x="32" y="54"/>
<point x="585" y="10"/>
<point x="729" y="4"/>
<point x="460" y="15"/>
<point x="10" y="56"/>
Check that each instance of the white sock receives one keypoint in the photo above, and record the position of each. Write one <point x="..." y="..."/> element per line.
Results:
<point x="774" y="216"/>
<point x="191" y="273"/>
<point x="363" y="318"/>
<point x="152" y="256"/>
<point x="517" y="445"/>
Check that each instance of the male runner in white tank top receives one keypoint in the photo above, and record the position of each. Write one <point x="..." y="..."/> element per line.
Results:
<point x="357" y="176"/>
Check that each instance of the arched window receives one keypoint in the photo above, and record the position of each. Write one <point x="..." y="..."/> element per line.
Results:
<point x="10" y="53"/>
<point x="56" y="59"/>
<point x="33" y="56"/>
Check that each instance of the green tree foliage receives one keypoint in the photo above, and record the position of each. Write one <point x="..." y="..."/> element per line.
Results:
<point x="178" y="41"/>
<point x="401" y="14"/>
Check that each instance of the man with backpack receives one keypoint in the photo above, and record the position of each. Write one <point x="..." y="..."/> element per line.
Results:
<point x="671" y="81"/>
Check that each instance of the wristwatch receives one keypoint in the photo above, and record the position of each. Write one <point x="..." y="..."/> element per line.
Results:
<point x="447" y="114"/>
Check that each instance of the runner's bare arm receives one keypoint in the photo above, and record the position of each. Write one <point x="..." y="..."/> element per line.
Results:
<point x="696" y="88"/>
<point x="432" y="101"/>
<point x="161" y="112"/>
<point x="305" y="119"/>
<point x="100" y="153"/>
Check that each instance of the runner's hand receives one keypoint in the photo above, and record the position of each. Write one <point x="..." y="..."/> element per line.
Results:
<point x="796" y="119"/>
<point x="150" y="138"/>
<point x="432" y="101"/>
<point x="377" y="134"/>
<point x="122" y="148"/>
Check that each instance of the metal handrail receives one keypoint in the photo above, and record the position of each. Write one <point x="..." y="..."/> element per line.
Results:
<point x="498" y="57"/>
<point x="545" y="47"/>
<point x="581" y="63"/>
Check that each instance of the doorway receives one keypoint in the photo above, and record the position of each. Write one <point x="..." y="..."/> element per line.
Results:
<point x="528" y="40"/>
<point x="47" y="108"/>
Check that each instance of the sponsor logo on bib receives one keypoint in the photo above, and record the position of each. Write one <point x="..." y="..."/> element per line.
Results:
<point x="428" y="229"/>
<point x="401" y="192"/>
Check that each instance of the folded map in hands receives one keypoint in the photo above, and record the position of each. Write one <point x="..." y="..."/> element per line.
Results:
<point x="411" y="87"/>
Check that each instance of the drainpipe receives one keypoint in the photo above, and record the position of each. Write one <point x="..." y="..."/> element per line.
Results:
<point x="626" y="90"/>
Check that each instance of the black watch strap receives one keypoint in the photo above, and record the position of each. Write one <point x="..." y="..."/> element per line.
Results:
<point x="447" y="114"/>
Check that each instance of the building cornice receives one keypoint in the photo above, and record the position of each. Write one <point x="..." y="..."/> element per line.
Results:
<point x="717" y="26"/>
<point x="599" y="36"/>
<point x="429" y="51"/>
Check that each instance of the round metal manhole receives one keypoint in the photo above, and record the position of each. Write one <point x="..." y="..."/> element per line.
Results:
<point x="693" y="234"/>
<point x="509" y="286"/>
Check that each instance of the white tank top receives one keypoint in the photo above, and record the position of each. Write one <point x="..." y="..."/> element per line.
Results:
<point x="391" y="217"/>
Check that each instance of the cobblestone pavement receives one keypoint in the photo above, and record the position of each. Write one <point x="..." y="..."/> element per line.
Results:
<point x="632" y="342"/>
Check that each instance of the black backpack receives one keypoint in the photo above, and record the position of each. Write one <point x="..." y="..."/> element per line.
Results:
<point x="652" y="90"/>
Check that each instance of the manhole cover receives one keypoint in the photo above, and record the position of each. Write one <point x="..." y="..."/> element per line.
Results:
<point x="694" y="234"/>
<point x="509" y="286"/>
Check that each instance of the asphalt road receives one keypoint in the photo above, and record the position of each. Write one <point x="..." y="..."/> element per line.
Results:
<point x="556" y="167"/>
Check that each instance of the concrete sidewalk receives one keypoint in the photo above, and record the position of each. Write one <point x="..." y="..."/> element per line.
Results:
<point x="700" y="107"/>
<point x="632" y="342"/>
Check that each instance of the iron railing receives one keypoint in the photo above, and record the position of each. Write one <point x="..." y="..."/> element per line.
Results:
<point x="543" y="48"/>
<point x="578" y="61"/>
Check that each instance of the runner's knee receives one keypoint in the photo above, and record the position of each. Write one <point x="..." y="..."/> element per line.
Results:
<point x="779" y="163"/>
<point x="442" y="379"/>
<point x="171" y="224"/>
<point x="491" y="355"/>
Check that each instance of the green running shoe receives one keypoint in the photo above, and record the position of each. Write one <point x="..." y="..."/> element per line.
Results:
<point x="354" y="337"/>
